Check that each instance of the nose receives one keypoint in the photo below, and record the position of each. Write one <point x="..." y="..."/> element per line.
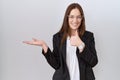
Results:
<point x="75" y="19"/>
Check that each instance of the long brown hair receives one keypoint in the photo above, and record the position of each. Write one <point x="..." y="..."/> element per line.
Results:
<point x="65" y="26"/>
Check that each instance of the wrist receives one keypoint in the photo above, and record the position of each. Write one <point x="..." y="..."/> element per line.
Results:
<point x="44" y="47"/>
<point x="81" y="46"/>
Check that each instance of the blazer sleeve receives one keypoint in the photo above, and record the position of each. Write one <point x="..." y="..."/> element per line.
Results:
<point x="89" y="55"/>
<point x="52" y="57"/>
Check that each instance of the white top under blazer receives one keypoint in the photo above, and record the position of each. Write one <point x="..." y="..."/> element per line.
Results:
<point x="72" y="61"/>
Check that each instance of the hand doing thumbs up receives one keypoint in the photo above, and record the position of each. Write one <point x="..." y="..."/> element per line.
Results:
<point x="75" y="39"/>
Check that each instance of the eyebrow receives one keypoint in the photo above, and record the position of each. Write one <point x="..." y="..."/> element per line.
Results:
<point x="74" y="15"/>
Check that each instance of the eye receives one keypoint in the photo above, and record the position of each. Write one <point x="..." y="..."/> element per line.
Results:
<point x="71" y="16"/>
<point x="79" y="17"/>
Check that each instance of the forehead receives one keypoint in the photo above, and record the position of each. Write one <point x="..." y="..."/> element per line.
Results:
<point x="75" y="11"/>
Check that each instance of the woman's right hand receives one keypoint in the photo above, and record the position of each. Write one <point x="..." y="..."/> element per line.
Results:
<point x="37" y="42"/>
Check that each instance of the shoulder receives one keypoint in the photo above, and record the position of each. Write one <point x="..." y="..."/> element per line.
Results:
<point x="88" y="35"/>
<point x="57" y="35"/>
<point x="57" y="38"/>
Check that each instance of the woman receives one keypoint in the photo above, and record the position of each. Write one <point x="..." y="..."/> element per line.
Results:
<point x="74" y="54"/>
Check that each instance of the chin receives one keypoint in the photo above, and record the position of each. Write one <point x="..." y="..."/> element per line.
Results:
<point x="74" y="28"/>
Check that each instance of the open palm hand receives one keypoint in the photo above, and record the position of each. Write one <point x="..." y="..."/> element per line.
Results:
<point x="35" y="42"/>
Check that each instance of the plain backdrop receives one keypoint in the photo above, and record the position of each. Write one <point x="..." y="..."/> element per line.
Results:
<point x="26" y="19"/>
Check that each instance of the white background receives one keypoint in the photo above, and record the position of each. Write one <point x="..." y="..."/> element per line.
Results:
<point x="26" y="19"/>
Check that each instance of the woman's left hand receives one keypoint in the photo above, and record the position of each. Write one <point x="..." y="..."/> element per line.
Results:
<point x="75" y="40"/>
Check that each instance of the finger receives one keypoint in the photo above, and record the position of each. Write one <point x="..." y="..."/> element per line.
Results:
<point x="34" y="39"/>
<point x="76" y="33"/>
<point x="27" y="42"/>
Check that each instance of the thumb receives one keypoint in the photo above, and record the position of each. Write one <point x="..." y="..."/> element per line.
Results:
<point x="34" y="39"/>
<point x="76" y="33"/>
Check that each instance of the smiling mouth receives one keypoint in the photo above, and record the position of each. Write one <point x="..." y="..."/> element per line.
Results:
<point x="75" y="25"/>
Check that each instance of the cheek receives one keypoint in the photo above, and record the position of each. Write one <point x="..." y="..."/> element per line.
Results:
<point x="69" y="22"/>
<point x="79" y="23"/>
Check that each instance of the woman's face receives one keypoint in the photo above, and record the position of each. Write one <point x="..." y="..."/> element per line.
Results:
<point x="74" y="19"/>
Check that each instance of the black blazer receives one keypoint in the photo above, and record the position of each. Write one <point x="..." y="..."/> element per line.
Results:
<point x="87" y="59"/>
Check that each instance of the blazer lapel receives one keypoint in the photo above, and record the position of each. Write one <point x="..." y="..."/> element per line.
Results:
<point x="63" y="50"/>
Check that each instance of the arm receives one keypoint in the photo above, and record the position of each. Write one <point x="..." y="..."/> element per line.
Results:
<point x="89" y="55"/>
<point x="53" y="56"/>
